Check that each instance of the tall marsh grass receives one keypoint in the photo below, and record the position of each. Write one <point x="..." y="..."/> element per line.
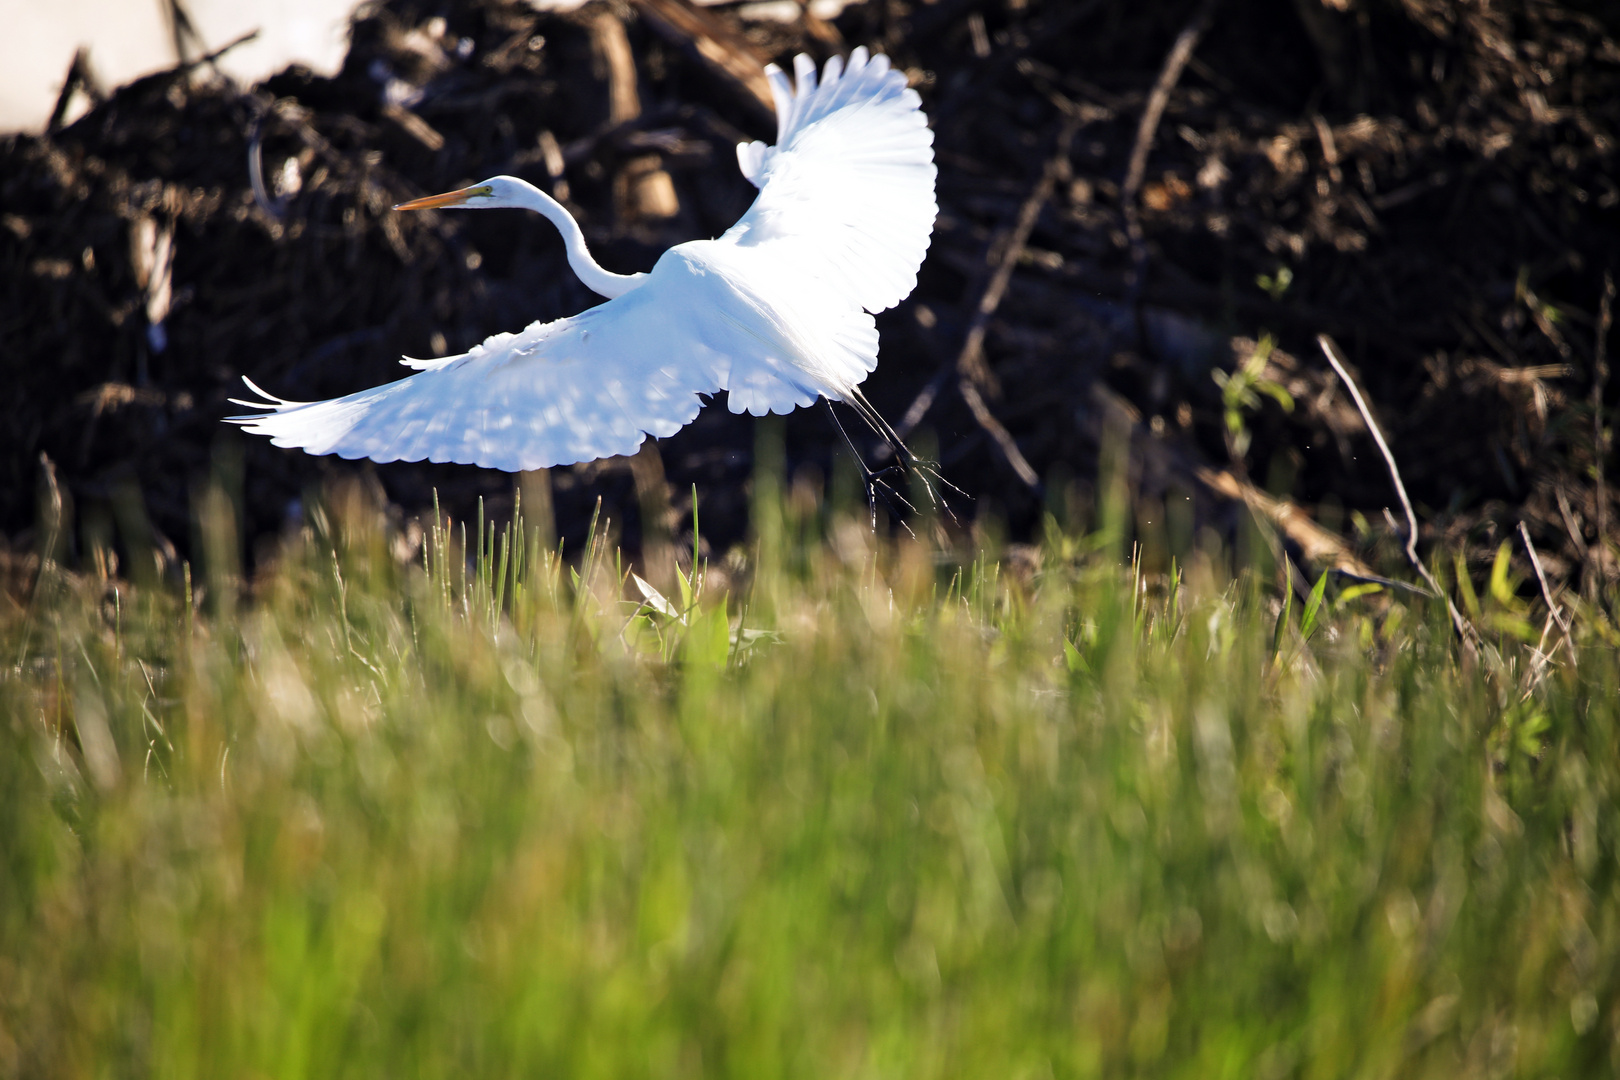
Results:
<point x="876" y="810"/>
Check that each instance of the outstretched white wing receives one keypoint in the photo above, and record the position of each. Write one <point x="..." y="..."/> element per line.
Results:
<point x="553" y="394"/>
<point x="847" y="192"/>
<point x="596" y="384"/>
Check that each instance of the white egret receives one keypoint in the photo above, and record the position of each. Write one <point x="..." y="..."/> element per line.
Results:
<point x="778" y="311"/>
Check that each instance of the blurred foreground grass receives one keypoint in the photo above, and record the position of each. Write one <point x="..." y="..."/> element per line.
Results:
<point x="878" y="813"/>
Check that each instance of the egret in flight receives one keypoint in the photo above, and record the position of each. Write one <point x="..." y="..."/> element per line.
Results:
<point x="778" y="311"/>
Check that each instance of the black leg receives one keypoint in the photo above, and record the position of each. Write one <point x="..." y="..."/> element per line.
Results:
<point x="907" y="463"/>
<point x="875" y="482"/>
<point x="926" y="471"/>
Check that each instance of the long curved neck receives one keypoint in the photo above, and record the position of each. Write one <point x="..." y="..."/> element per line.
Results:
<point x="596" y="279"/>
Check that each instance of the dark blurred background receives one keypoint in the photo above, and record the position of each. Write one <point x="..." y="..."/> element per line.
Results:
<point x="1429" y="182"/>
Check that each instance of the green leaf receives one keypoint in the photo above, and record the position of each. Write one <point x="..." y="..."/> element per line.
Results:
<point x="1277" y="393"/>
<point x="1256" y="362"/>
<point x="1281" y="628"/>
<point x="1506" y="623"/>
<point x="1073" y="660"/>
<point x="1501" y="587"/>
<point x="1313" y="607"/>
<point x="1466" y="586"/>
<point x="686" y="589"/>
<point x="1529" y="733"/>
<point x="654" y="598"/>
<point x="1276" y="284"/>
<point x="708" y="639"/>
<point x="1366" y="588"/>
<point x="744" y="641"/>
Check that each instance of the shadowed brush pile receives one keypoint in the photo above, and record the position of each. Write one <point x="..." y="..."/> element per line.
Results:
<point x="1429" y="182"/>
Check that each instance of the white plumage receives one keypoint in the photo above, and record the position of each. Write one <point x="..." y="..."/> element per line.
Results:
<point x="778" y="311"/>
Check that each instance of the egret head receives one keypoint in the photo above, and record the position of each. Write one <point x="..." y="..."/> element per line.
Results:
<point x="494" y="192"/>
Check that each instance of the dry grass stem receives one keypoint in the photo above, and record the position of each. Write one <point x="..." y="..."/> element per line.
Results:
<point x="1331" y="351"/>
<point x="1600" y="442"/>
<point x="1553" y="610"/>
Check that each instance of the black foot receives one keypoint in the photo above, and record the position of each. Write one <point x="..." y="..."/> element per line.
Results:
<point x="878" y="481"/>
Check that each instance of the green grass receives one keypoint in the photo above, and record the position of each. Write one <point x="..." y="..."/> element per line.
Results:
<point x="377" y="818"/>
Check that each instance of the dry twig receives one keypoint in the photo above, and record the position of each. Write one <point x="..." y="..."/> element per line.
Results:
<point x="1321" y="546"/>
<point x="969" y="364"/>
<point x="724" y="50"/>
<point x="1600" y="443"/>
<point x="652" y="492"/>
<point x="970" y="361"/>
<point x="1166" y="459"/>
<point x="1331" y="351"/>
<point x="999" y="434"/>
<point x="1553" y="609"/>
<point x="642" y="188"/>
<point x="1129" y="193"/>
<point x="80" y="76"/>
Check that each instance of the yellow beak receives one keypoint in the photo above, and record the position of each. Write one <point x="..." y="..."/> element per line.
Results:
<point x="458" y="197"/>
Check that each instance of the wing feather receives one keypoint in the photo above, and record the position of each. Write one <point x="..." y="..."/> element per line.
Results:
<point x="598" y="383"/>
<point x="556" y="393"/>
<point x="847" y="193"/>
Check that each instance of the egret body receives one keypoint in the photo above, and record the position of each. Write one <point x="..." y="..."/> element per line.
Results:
<point x="777" y="311"/>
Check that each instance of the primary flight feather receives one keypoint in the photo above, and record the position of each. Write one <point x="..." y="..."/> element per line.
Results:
<point x="778" y="311"/>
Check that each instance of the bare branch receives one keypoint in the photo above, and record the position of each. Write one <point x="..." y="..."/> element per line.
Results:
<point x="971" y="370"/>
<point x="999" y="434"/>
<point x="726" y="52"/>
<point x="1004" y="254"/>
<point x="1169" y="75"/>
<point x="1331" y="351"/>
<point x="1600" y="443"/>
<point x="1553" y="609"/>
